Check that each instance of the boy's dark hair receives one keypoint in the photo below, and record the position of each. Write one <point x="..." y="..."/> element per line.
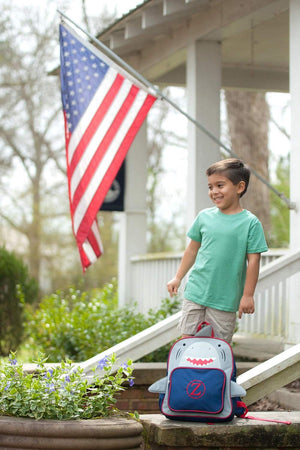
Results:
<point x="234" y="169"/>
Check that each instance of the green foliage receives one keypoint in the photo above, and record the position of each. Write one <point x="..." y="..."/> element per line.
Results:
<point x="77" y="325"/>
<point x="13" y="277"/>
<point x="280" y="215"/>
<point x="61" y="392"/>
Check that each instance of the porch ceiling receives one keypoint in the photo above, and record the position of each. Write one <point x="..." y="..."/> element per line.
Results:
<point x="254" y="35"/>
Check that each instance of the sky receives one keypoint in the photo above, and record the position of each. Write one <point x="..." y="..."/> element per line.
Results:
<point x="92" y="6"/>
<point x="73" y="8"/>
<point x="122" y="6"/>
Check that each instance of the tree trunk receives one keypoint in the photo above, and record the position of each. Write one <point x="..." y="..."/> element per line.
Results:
<point x="248" y="121"/>
<point x="34" y="233"/>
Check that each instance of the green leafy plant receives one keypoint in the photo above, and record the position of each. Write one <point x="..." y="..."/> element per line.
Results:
<point x="77" y="325"/>
<point x="61" y="391"/>
<point x="13" y="278"/>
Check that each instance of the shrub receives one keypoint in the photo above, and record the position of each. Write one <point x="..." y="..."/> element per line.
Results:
<point x="78" y="325"/>
<point x="61" y="392"/>
<point x="13" y="276"/>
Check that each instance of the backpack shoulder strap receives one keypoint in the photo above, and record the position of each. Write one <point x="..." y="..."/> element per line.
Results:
<point x="245" y="415"/>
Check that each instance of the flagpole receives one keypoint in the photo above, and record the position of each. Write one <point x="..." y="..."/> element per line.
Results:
<point x="160" y="94"/>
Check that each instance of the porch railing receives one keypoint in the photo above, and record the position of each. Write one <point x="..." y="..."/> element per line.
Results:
<point x="151" y="272"/>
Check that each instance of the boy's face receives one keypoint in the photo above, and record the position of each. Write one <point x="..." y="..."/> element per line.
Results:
<point x="224" y="194"/>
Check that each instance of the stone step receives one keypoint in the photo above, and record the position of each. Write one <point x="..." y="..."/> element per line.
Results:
<point x="165" y="434"/>
<point x="287" y="399"/>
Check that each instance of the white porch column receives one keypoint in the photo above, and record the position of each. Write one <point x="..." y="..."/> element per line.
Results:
<point x="294" y="301"/>
<point x="203" y="93"/>
<point x="132" y="239"/>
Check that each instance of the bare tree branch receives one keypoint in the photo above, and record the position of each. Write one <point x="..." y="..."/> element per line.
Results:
<point x="16" y="151"/>
<point x="15" y="226"/>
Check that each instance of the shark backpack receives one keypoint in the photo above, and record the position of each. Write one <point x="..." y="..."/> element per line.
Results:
<point x="201" y="380"/>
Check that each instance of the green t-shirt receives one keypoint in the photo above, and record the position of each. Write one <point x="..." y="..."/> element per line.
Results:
<point x="218" y="276"/>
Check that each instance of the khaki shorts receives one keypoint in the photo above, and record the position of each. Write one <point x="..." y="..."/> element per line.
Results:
<point x="223" y="322"/>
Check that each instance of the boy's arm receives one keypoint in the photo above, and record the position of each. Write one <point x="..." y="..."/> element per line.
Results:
<point x="187" y="261"/>
<point x="247" y="300"/>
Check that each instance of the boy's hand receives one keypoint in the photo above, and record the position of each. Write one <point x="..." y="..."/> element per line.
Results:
<point x="246" y="305"/>
<point x="173" y="286"/>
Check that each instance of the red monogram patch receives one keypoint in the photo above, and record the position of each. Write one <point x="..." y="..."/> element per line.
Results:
<point x="195" y="389"/>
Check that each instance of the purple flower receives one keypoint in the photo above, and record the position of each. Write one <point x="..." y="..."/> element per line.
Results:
<point x="13" y="362"/>
<point x="7" y="386"/>
<point x="51" y="387"/>
<point x="124" y="366"/>
<point x="131" y="382"/>
<point x="49" y="373"/>
<point x="67" y="379"/>
<point x="102" y="363"/>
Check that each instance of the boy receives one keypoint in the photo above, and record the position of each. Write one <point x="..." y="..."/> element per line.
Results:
<point x="225" y="247"/>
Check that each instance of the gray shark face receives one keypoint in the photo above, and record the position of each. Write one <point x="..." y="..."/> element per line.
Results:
<point x="208" y="353"/>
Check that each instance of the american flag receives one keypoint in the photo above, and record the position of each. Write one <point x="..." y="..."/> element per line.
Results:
<point x="104" y="107"/>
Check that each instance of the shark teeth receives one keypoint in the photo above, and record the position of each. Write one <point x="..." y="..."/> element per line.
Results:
<point x="200" y="361"/>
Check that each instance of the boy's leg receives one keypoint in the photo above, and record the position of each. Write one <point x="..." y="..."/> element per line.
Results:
<point x="192" y="315"/>
<point x="223" y="323"/>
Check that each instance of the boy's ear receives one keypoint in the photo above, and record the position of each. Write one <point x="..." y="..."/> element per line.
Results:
<point x="241" y="186"/>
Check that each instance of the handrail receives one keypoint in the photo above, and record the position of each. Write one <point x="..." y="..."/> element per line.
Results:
<point x="271" y="375"/>
<point x="284" y="266"/>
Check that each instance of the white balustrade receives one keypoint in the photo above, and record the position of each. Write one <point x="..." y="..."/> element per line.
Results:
<point x="152" y="272"/>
